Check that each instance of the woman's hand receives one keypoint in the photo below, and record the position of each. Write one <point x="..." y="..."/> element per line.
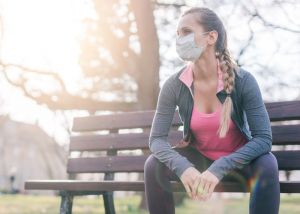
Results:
<point x="181" y="144"/>
<point x="204" y="185"/>
<point x="188" y="177"/>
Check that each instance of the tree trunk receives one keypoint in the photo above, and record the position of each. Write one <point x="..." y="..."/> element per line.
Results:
<point x="148" y="75"/>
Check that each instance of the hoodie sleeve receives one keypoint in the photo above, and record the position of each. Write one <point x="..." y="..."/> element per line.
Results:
<point x="259" y="125"/>
<point x="161" y="124"/>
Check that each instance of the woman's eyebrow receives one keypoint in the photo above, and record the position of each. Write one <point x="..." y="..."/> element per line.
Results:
<point x="184" y="28"/>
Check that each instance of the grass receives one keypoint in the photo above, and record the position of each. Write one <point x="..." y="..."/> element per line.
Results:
<point x="25" y="204"/>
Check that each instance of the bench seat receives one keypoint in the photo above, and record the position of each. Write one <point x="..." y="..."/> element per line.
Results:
<point x="77" y="185"/>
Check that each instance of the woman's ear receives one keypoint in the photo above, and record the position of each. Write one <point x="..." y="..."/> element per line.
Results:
<point x="212" y="37"/>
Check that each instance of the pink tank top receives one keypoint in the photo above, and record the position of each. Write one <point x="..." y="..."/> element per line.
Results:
<point x="205" y="126"/>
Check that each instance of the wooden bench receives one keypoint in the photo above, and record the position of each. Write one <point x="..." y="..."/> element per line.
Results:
<point x="87" y="138"/>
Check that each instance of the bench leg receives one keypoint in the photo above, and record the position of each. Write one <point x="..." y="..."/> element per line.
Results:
<point x="66" y="203"/>
<point x="109" y="203"/>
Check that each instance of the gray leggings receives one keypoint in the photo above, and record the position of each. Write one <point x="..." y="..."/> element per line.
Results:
<point x="264" y="198"/>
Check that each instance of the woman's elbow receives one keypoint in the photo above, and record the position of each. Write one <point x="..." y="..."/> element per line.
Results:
<point x="267" y="143"/>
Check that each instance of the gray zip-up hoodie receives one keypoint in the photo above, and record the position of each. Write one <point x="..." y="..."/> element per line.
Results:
<point x="249" y="115"/>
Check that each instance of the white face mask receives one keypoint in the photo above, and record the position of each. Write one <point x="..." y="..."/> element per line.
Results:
<point x="187" y="48"/>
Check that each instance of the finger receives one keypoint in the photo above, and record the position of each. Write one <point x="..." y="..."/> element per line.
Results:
<point x="206" y="189"/>
<point x="188" y="190"/>
<point x="211" y="190"/>
<point x="195" y="187"/>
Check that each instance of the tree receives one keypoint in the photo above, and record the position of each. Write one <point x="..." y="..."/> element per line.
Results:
<point x="119" y="57"/>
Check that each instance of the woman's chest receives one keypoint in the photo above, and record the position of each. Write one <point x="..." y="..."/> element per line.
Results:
<point x="205" y="99"/>
<point x="207" y="103"/>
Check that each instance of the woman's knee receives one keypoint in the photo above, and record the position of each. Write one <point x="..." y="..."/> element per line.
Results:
<point x="154" y="169"/>
<point x="266" y="165"/>
<point x="151" y="164"/>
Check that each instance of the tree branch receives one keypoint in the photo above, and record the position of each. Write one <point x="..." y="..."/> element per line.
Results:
<point x="31" y="70"/>
<point x="266" y="23"/>
<point x="65" y="101"/>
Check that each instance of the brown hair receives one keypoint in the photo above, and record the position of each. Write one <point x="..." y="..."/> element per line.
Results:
<point x="209" y="20"/>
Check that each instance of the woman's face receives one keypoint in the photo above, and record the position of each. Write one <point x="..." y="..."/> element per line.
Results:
<point x="188" y="24"/>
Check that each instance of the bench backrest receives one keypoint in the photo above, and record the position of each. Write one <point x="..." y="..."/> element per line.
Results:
<point x="104" y="137"/>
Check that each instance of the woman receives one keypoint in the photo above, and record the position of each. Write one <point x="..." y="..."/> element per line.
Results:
<point x="226" y="128"/>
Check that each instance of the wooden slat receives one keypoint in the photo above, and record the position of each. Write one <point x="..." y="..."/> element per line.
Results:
<point x="107" y="164"/>
<point x="282" y="135"/>
<point x="72" y="185"/>
<point x="125" y="120"/>
<point x="284" y="110"/>
<point x="278" y="111"/>
<point x="117" y="141"/>
<point x="287" y="160"/>
<point x="286" y="134"/>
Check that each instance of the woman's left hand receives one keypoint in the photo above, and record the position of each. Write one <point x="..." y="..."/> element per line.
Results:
<point x="204" y="185"/>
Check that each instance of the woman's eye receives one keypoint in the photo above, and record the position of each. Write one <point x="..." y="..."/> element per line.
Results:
<point x="186" y="32"/>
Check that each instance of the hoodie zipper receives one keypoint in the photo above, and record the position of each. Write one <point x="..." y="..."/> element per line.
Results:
<point x="191" y="91"/>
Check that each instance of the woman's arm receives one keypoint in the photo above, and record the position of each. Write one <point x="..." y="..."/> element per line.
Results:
<point x="259" y="125"/>
<point x="161" y="124"/>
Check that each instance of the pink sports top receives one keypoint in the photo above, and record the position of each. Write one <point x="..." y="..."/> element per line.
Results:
<point x="205" y="126"/>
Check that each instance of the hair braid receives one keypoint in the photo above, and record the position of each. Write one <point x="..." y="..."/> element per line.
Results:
<point x="227" y="66"/>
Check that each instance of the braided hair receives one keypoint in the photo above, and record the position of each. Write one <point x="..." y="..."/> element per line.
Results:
<point x="209" y="20"/>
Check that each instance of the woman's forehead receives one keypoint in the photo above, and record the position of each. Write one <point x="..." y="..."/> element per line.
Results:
<point x="188" y="21"/>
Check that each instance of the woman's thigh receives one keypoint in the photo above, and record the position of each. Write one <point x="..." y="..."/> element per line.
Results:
<point x="264" y="166"/>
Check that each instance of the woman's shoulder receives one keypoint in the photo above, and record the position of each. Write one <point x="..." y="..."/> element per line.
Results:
<point x="247" y="82"/>
<point x="241" y="72"/>
<point x="245" y="75"/>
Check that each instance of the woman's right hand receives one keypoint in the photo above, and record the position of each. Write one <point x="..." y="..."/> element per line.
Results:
<point x="188" y="177"/>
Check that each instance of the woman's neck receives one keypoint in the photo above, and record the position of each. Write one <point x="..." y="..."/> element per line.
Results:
<point x="205" y="69"/>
